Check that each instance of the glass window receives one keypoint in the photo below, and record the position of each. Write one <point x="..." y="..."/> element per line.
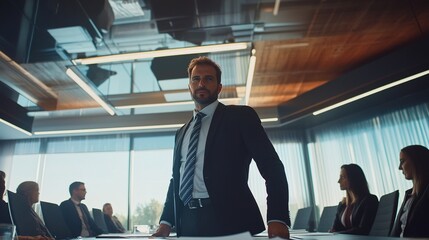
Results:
<point x="152" y="161"/>
<point x="112" y="79"/>
<point x="105" y="175"/>
<point x="144" y="79"/>
<point x="151" y="176"/>
<point x="24" y="168"/>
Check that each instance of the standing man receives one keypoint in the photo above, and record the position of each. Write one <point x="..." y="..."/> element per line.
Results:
<point x="208" y="194"/>
<point x="76" y="214"/>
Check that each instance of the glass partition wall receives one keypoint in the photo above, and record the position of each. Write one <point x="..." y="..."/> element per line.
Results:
<point x="132" y="172"/>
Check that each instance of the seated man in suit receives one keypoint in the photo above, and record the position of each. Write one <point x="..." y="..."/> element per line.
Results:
<point x="76" y="214"/>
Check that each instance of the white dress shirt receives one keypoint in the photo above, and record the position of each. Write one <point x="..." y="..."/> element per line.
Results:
<point x="199" y="189"/>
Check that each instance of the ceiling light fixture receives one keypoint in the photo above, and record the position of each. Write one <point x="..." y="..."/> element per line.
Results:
<point x="118" y="129"/>
<point x="274" y="119"/>
<point x="88" y="89"/>
<point x="374" y="91"/>
<point x="250" y="73"/>
<point x="15" y="127"/>
<point x="276" y="7"/>
<point x="162" y="53"/>
<point x="111" y="129"/>
<point x="169" y="104"/>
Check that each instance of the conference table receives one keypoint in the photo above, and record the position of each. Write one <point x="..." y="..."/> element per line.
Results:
<point x="247" y="236"/>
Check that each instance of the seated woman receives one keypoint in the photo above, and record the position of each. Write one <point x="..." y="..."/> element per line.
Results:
<point x="112" y="222"/>
<point x="29" y="191"/>
<point x="413" y="217"/>
<point x="356" y="212"/>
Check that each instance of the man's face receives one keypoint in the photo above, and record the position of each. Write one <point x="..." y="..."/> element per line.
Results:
<point x="80" y="192"/>
<point x="203" y="85"/>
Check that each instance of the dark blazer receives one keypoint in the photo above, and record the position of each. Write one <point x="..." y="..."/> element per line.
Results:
<point x="363" y="216"/>
<point x="111" y="227"/>
<point x="72" y="219"/>
<point x="235" y="137"/>
<point x="418" y="216"/>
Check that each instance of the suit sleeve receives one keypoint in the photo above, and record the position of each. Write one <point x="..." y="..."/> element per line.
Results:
<point x="368" y="217"/>
<point x="269" y="165"/>
<point x="168" y="211"/>
<point x="68" y="218"/>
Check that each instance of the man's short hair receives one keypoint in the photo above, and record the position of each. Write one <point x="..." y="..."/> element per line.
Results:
<point x="203" y="60"/>
<point x="74" y="186"/>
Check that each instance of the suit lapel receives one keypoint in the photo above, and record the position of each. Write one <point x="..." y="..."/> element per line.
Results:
<point x="214" y="125"/>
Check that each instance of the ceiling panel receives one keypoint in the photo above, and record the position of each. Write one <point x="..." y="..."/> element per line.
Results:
<point x="306" y="45"/>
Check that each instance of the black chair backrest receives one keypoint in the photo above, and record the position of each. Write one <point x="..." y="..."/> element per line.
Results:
<point x="302" y="218"/>
<point x="54" y="220"/>
<point x="20" y="212"/>
<point x="385" y="216"/>
<point x="327" y="218"/>
<point x="99" y="219"/>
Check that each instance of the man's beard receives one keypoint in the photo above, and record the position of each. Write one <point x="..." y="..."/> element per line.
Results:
<point x="205" y="101"/>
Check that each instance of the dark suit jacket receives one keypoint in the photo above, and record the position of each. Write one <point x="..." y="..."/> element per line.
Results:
<point x="72" y="219"/>
<point x="235" y="137"/>
<point x="111" y="227"/>
<point x="418" y="216"/>
<point x="363" y="216"/>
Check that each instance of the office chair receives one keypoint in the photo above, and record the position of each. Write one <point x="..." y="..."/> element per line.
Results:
<point x="327" y="218"/>
<point x="19" y="212"/>
<point x="303" y="219"/>
<point x="385" y="216"/>
<point x="99" y="219"/>
<point x="54" y="220"/>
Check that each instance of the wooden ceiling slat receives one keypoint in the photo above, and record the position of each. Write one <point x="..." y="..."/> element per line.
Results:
<point x="338" y="36"/>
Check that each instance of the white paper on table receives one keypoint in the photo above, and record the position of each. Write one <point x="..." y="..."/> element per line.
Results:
<point x="239" y="236"/>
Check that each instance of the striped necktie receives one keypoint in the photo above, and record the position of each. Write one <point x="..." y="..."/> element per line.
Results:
<point x="187" y="184"/>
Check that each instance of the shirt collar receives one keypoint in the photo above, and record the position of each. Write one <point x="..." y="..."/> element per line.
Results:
<point x="208" y="110"/>
<point x="74" y="201"/>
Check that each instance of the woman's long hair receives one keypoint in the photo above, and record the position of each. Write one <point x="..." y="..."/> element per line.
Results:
<point x="419" y="156"/>
<point x="357" y="182"/>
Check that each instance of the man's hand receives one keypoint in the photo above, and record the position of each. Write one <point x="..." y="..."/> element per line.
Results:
<point x="278" y="229"/>
<point x="162" y="231"/>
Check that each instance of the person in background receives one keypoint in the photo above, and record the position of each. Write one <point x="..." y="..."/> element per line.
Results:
<point x="209" y="193"/>
<point x="29" y="191"/>
<point x="356" y="212"/>
<point x="4" y="212"/>
<point x="413" y="216"/>
<point x="112" y="222"/>
<point x="76" y="214"/>
<point x="4" y="209"/>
